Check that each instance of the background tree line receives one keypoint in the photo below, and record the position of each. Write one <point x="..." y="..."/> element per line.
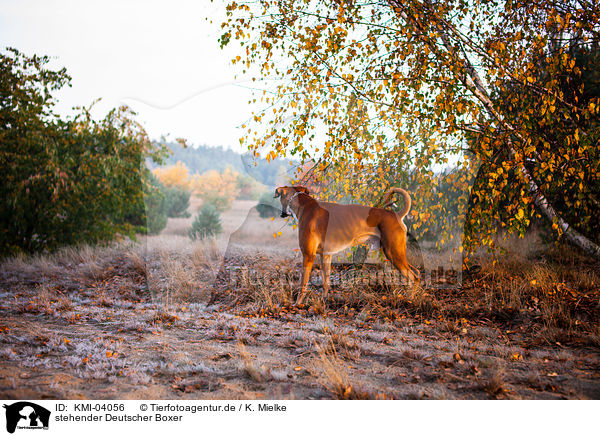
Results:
<point x="201" y="158"/>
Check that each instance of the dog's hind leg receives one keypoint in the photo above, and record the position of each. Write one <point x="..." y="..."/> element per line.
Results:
<point x="326" y="272"/>
<point x="395" y="251"/>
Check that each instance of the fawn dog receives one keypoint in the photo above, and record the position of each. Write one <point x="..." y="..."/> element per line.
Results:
<point x="328" y="228"/>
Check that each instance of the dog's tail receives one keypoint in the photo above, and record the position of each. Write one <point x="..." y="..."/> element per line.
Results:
<point x="407" y="201"/>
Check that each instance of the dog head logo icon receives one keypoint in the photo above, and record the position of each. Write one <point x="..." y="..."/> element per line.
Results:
<point x="24" y="414"/>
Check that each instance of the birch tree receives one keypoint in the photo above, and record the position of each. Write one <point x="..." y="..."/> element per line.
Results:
<point x="365" y="90"/>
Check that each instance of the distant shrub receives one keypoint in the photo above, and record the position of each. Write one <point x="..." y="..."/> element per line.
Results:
<point x="207" y="223"/>
<point x="220" y="202"/>
<point x="248" y="188"/>
<point x="177" y="202"/>
<point x="174" y="175"/>
<point x="219" y="189"/>
<point x="156" y="219"/>
<point x="268" y="206"/>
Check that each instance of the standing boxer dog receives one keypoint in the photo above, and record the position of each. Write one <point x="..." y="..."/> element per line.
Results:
<point x="328" y="228"/>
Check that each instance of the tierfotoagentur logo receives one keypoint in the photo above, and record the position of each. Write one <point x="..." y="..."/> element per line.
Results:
<point x="25" y="415"/>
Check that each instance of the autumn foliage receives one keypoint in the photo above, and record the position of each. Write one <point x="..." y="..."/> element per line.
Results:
<point x="218" y="188"/>
<point x="174" y="175"/>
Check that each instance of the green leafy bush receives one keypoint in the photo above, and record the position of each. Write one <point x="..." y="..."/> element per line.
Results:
<point x="156" y="206"/>
<point x="207" y="223"/>
<point x="177" y="202"/>
<point x="268" y="206"/>
<point x="220" y="202"/>
<point x="65" y="181"/>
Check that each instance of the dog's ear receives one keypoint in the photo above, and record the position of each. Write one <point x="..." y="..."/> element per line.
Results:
<point x="278" y="192"/>
<point x="302" y="189"/>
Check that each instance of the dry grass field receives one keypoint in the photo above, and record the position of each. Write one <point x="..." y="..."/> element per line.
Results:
<point x="165" y="317"/>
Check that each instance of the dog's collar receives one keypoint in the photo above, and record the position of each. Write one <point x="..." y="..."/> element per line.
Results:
<point x="289" y="208"/>
<point x="294" y="196"/>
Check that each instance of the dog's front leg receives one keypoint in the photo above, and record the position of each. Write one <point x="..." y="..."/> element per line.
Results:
<point x="307" y="264"/>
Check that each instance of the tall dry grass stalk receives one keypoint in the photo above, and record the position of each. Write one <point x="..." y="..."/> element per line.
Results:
<point x="258" y="374"/>
<point x="335" y="378"/>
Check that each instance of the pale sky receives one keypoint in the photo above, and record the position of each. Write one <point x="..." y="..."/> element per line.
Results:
<point x="160" y="58"/>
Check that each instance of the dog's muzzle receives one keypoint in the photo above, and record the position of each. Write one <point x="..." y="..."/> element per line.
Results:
<point x="284" y="214"/>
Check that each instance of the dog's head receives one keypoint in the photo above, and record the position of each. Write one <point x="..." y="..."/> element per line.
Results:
<point x="285" y="195"/>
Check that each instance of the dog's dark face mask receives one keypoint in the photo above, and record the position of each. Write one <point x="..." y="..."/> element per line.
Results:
<point x="282" y="194"/>
<point x="285" y="194"/>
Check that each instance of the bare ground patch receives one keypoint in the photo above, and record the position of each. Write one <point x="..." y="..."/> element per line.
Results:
<point x="155" y="321"/>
